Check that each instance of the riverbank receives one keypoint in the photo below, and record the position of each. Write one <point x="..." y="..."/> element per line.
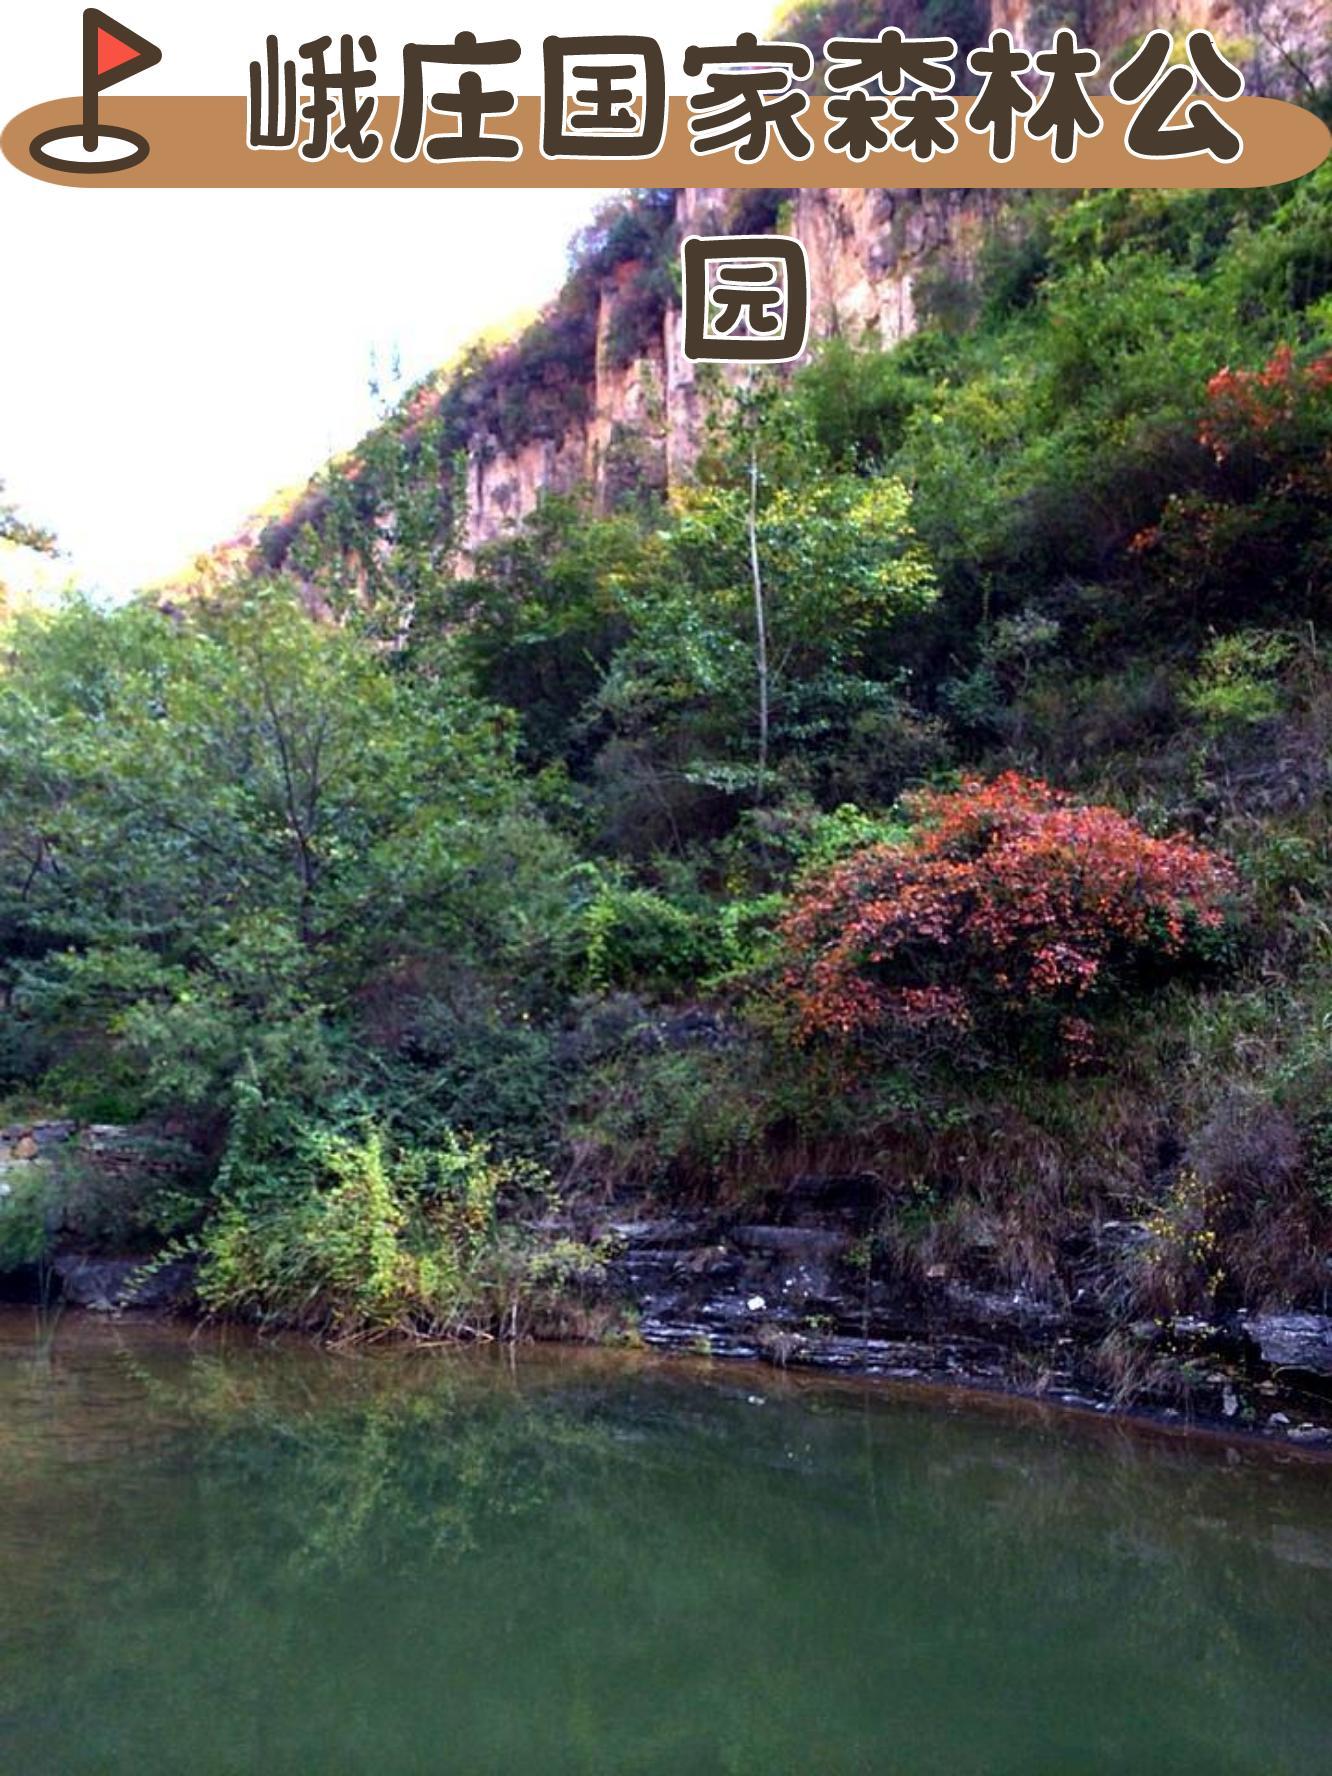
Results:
<point x="809" y="1298"/>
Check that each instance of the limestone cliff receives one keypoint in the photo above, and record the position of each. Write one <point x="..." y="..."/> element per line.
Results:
<point x="568" y="406"/>
<point x="867" y="250"/>
<point x="640" y="422"/>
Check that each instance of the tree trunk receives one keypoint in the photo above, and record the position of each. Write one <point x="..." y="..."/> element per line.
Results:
<point x="760" y="624"/>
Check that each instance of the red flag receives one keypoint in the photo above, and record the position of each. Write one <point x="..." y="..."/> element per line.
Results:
<point x="113" y="52"/>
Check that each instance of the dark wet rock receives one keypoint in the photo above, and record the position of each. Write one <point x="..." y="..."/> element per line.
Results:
<point x="798" y="1294"/>
<point x="807" y="1292"/>
<point x="694" y="1339"/>
<point x="1011" y="1313"/>
<point x="957" y="1359"/>
<point x="851" y="1199"/>
<point x="656" y="1235"/>
<point x="109" y="1284"/>
<point x="1301" y="1341"/>
<point x="1189" y="1329"/>
<point x="799" y="1245"/>
<point x="661" y="1264"/>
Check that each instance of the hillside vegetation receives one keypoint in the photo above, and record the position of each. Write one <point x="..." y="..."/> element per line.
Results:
<point x="936" y="789"/>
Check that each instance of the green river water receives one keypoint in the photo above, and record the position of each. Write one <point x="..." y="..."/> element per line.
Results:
<point x="222" y="1556"/>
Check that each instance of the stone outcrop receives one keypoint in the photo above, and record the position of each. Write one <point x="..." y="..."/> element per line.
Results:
<point x="111" y="1285"/>
<point x="868" y="250"/>
<point x="640" y="424"/>
<point x="23" y="1144"/>
<point x="810" y="1292"/>
<point x="805" y="1293"/>
<point x="87" y="1174"/>
<point x="1296" y="1341"/>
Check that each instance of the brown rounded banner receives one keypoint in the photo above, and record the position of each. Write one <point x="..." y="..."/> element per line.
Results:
<point x="201" y="143"/>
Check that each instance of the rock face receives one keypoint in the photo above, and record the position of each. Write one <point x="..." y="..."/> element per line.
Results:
<point x="109" y="1155"/>
<point x="640" y="425"/>
<point x="1299" y="1341"/>
<point x="27" y="1143"/>
<point x="108" y="1285"/>
<point x="804" y="1294"/>
<point x="868" y="250"/>
<point x="93" y="1170"/>
<point x="810" y="1292"/>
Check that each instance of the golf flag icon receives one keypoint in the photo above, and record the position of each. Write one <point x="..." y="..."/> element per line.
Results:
<point x="111" y="53"/>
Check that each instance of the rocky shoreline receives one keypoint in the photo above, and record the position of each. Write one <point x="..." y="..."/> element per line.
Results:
<point x="807" y="1289"/>
<point x="800" y="1296"/>
<point x="803" y="1296"/>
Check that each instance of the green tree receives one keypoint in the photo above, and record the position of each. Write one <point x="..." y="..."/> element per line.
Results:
<point x="218" y="828"/>
<point x="384" y="524"/>
<point x="777" y="575"/>
<point x="539" y="618"/>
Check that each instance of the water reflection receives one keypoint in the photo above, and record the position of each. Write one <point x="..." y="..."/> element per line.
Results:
<point x="216" y="1556"/>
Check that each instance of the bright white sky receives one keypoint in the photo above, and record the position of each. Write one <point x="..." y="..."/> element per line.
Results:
<point x="231" y="347"/>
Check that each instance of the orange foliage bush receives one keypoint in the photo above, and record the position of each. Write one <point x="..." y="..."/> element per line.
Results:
<point x="1008" y="898"/>
<point x="1244" y="405"/>
<point x="1259" y="535"/>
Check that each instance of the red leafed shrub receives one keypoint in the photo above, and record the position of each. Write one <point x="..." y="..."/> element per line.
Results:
<point x="1258" y="534"/>
<point x="1009" y="898"/>
<point x="1245" y="406"/>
